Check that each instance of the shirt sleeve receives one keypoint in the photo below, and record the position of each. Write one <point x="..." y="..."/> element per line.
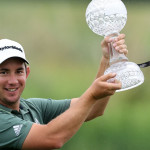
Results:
<point x="49" y="108"/>
<point x="13" y="131"/>
<point x="55" y="108"/>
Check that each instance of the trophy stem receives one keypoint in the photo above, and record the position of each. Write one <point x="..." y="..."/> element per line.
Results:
<point x="114" y="55"/>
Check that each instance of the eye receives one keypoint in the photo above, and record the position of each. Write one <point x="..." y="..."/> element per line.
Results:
<point x="3" y="72"/>
<point x="20" y="71"/>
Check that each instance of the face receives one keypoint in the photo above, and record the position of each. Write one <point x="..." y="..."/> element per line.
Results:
<point x="13" y="75"/>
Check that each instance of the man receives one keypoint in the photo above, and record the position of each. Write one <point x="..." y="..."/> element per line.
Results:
<point x="38" y="124"/>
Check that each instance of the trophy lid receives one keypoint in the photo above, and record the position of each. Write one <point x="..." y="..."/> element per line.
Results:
<point x="105" y="17"/>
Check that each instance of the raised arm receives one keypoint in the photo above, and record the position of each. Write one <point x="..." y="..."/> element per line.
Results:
<point x="119" y="44"/>
<point x="57" y="132"/>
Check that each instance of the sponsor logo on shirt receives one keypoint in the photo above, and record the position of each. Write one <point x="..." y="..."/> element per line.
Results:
<point x="36" y="121"/>
<point x="17" y="129"/>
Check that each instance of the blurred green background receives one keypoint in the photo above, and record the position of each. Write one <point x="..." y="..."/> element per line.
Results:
<point x="64" y="56"/>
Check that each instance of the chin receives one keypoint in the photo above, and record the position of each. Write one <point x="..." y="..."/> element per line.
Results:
<point x="12" y="101"/>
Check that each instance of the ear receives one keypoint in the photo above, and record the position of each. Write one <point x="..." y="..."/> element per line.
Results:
<point x="27" y="71"/>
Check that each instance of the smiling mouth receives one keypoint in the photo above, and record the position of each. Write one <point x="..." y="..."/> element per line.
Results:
<point x="11" y="89"/>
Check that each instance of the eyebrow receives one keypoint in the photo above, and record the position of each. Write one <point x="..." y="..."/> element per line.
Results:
<point x="21" y="68"/>
<point x="5" y="69"/>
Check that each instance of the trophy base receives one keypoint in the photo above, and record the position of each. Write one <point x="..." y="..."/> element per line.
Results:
<point x="128" y="73"/>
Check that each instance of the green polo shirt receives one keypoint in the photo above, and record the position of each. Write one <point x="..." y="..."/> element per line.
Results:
<point x="15" y="126"/>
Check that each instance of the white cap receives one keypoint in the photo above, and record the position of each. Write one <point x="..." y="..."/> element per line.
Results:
<point x="9" y="49"/>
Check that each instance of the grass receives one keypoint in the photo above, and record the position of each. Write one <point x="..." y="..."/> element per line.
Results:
<point x="64" y="56"/>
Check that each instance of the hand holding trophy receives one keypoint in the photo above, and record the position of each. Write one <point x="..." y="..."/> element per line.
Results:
<point x="108" y="18"/>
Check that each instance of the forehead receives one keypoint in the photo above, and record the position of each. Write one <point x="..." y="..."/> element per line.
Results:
<point x="13" y="61"/>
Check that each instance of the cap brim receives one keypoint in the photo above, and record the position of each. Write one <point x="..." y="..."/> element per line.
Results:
<point x="1" y="61"/>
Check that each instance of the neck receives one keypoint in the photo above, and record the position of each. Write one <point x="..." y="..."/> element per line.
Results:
<point x="14" y="106"/>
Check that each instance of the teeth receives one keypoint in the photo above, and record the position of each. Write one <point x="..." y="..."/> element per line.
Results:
<point x="11" y="90"/>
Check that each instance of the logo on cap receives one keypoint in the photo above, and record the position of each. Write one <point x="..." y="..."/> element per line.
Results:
<point x="12" y="47"/>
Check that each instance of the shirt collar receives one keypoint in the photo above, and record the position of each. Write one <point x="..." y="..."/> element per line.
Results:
<point x="24" y="108"/>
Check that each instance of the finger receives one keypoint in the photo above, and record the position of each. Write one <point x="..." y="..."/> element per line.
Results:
<point x="108" y="39"/>
<point x="121" y="47"/>
<point x="120" y="37"/>
<point x="123" y="51"/>
<point x="103" y="43"/>
<point x="115" y="86"/>
<point x="120" y="42"/>
<point x="107" y="76"/>
<point x="117" y="81"/>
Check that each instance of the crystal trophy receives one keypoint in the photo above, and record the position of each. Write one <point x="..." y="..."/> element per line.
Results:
<point x="108" y="18"/>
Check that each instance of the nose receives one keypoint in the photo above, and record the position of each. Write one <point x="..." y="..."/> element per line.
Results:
<point x="12" y="79"/>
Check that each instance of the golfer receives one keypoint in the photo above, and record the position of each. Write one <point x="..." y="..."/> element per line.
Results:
<point x="39" y="123"/>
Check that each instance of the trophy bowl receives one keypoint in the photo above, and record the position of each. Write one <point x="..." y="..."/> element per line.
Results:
<point x="108" y="18"/>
